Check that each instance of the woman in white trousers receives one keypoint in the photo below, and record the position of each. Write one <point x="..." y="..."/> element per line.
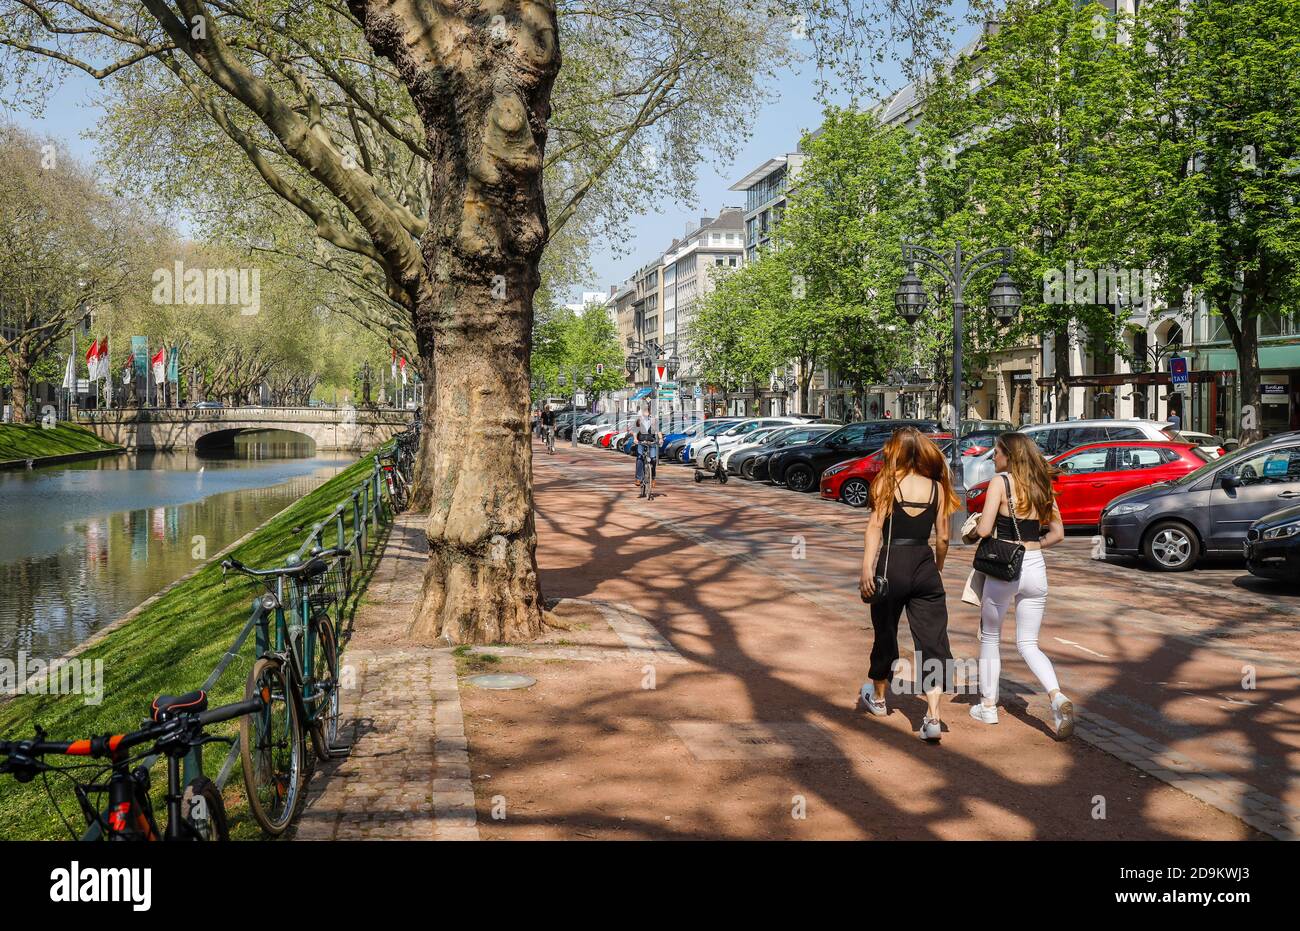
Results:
<point x="1025" y="478"/>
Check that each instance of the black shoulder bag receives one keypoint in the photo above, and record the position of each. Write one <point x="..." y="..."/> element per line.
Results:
<point x="882" y="578"/>
<point x="1001" y="559"/>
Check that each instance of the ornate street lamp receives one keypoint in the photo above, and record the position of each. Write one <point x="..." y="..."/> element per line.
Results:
<point x="957" y="269"/>
<point x="910" y="298"/>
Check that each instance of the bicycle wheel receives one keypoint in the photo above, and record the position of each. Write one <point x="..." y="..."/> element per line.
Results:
<point x="325" y="682"/>
<point x="204" y="810"/>
<point x="271" y="748"/>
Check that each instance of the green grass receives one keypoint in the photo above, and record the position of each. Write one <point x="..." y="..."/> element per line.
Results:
<point x="169" y="648"/>
<point x="34" y="441"/>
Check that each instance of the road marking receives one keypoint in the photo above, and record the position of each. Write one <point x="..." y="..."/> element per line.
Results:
<point x="1080" y="646"/>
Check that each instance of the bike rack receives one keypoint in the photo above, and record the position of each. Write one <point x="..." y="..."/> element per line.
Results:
<point x="365" y="506"/>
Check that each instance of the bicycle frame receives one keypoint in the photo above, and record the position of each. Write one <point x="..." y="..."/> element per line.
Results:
<point x="283" y="646"/>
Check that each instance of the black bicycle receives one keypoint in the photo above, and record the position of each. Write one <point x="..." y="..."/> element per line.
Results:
<point x="175" y="730"/>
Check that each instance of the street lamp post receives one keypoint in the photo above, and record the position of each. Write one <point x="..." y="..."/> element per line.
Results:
<point x="956" y="269"/>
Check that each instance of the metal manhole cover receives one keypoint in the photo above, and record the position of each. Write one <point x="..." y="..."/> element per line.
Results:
<point x="502" y="681"/>
<point x="756" y="740"/>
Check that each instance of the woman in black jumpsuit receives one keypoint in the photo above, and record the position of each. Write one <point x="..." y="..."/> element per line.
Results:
<point x="898" y="547"/>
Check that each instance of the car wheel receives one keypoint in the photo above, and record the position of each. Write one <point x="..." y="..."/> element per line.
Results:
<point x="855" y="493"/>
<point x="1171" y="546"/>
<point x="747" y="470"/>
<point x="799" y="477"/>
<point x="707" y="462"/>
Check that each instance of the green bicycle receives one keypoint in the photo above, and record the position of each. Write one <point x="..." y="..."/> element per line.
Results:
<point x="296" y="676"/>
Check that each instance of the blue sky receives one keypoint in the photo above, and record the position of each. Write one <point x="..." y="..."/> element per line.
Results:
<point x="776" y="130"/>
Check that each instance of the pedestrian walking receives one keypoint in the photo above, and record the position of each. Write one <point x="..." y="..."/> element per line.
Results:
<point x="1020" y="506"/>
<point x="912" y="498"/>
<point x="548" y="428"/>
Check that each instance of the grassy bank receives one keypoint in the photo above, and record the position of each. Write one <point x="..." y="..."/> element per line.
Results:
<point x="34" y="441"/>
<point x="169" y="648"/>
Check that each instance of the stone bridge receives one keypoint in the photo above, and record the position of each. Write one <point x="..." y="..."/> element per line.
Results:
<point x="357" y="429"/>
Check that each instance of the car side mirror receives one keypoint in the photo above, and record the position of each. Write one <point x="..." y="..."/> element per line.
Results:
<point x="1229" y="481"/>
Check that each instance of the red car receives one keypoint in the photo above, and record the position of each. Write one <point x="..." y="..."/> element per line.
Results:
<point x="850" y="481"/>
<point x="1090" y="477"/>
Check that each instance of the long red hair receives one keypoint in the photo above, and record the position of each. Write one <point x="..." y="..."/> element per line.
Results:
<point x="911" y="452"/>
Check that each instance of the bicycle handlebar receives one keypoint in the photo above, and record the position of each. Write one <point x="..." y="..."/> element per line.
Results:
<point x="112" y="744"/>
<point x="316" y="566"/>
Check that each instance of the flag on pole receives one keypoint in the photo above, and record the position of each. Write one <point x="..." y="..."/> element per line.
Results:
<point x="158" y="362"/>
<point x="70" y="374"/>
<point x="403" y="370"/>
<point x="126" y="371"/>
<point x="394" y="363"/>
<point x="92" y="360"/>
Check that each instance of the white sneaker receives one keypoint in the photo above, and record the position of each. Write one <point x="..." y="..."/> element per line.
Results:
<point x="985" y="714"/>
<point x="930" y="730"/>
<point x="1063" y="716"/>
<point x="867" y="700"/>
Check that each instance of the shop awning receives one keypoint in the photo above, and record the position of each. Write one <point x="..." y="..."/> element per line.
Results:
<point x="1122" y="378"/>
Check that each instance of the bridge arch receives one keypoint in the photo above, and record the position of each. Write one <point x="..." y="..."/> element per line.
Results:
<point x="224" y="437"/>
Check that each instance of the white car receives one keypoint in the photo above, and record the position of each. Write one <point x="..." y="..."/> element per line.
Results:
<point x="707" y="452"/>
<point x="588" y="430"/>
<point x="755" y="440"/>
<point x="1207" y="443"/>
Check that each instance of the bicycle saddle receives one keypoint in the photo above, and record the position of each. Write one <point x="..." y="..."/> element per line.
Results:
<point x="164" y="706"/>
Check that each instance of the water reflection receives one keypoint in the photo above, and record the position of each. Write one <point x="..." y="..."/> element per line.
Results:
<point x="81" y="544"/>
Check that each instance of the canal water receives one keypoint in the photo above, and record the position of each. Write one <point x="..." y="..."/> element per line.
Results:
<point x="83" y="543"/>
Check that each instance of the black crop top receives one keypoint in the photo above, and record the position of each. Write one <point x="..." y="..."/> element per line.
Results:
<point x="1030" y="530"/>
<point x="913" y="526"/>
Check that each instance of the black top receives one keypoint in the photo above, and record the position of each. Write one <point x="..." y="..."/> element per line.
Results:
<point x="1030" y="529"/>
<point x="914" y="526"/>
<point x="548" y="417"/>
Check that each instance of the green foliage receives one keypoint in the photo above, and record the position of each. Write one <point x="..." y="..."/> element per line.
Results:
<point x="567" y="342"/>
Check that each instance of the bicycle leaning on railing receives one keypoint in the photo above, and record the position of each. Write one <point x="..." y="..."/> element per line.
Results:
<point x="296" y="676"/>
<point x="398" y="464"/>
<point x="177" y="730"/>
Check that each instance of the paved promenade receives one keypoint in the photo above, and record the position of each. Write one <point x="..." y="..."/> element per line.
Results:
<point x="700" y="682"/>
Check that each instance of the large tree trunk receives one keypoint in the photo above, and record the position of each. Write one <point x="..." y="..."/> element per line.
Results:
<point x="482" y="86"/>
<point x="1061" y="358"/>
<point x="422" y="490"/>
<point x="21" y="374"/>
<point x="1245" y="340"/>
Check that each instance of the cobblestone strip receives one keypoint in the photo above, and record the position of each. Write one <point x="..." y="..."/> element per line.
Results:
<point x="644" y="643"/>
<point x="453" y="792"/>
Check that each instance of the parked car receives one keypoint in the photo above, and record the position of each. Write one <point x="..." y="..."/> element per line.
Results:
<point x="799" y="468"/>
<point x="1088" y="478"/>
<point x="706" y="451"/>
<point x="1065" y="435"/>
<point x="1207" y="442"/>
<point x="1273" y="546"/>
<point x="208" y="406"/>
<point x="1207" y="511"/>
<point x="985" y="426"/>
<point x="671" y="450"/>
<point x="850" y="481"/>
<point x="757" y="440"/>
<point x="752" y="463"/>
<point x="978" y="442"/>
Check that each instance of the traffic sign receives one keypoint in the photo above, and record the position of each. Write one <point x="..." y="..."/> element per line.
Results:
<point x="661" y="371"/>
<point x="1178" y="370"/>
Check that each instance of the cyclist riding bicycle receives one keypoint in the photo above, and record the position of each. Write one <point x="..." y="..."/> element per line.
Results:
<point x="548" y="428"/>
<point x="647" y="451"/>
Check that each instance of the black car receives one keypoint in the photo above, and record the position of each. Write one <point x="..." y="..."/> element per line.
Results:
<point x="1170" y="524"/>
<point x="1273" y="546"/>
<point x="752" y="463"/>
<point x="800" y="467"/>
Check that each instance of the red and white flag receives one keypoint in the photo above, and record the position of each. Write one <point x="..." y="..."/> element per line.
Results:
<point x="394" y="363"/>
<point x="92" y="360"/>
<point x="159" y="366"/>
<point x="403" y="370"/>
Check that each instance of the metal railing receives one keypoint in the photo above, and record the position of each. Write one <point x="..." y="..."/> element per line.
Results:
<point x="357" y="523"/>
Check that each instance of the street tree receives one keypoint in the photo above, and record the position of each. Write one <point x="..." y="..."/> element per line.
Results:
<point x="1214" y="175"/>
<point x="64" y="252"/>
<point x="461" y="252"/>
